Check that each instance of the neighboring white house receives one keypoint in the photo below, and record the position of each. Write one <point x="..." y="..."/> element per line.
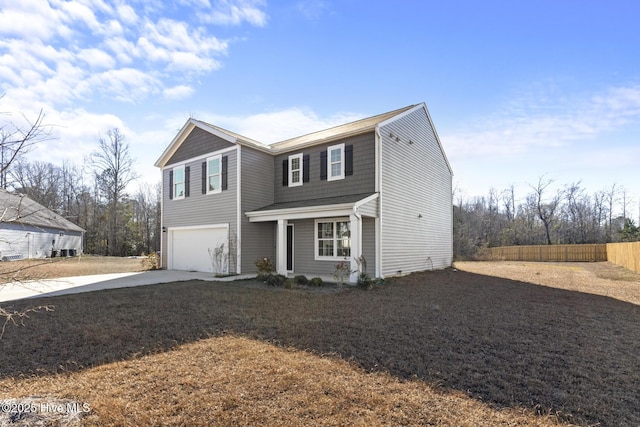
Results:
<point x="29" y="230"/>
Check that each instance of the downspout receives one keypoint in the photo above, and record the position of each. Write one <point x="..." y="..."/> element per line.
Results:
<point x="355" y="266"/>
<point x="378" y="189"/>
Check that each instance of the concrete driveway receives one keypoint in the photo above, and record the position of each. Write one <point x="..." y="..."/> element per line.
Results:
<point x="72" y="285"/>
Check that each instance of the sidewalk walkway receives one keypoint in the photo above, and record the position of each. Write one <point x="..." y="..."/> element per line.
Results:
<point x="72" y="285"/>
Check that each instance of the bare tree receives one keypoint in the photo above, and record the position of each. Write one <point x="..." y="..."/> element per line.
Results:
<point x="113" y="169"/>
<point x="16" y="140"/>
<point x="546" y="210"/>
<point x="612" y="196"/>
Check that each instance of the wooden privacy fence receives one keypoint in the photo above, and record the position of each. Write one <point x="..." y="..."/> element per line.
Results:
<point x="591" y="253"/>
<point x="626" y="255"/>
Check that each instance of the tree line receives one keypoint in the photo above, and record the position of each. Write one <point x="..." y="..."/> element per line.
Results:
<point x="566" y="215"/>
<point x="92" y="195"/>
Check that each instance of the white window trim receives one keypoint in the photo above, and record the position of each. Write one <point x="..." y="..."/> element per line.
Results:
<point x="291" y="183"/>
<point x="335" y="239"/>
<point x="184" y="188"/>
<point x="219" y="158"/>
<point x="330" y="177"/>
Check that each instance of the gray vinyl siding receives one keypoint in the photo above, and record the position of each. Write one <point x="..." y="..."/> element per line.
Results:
<point x="203" y="209"/>
<point x="198" y="142"/>
<point x="362" y="181"/>
<point x="415" y="199"/>
<point x="369" y="244"/>
<point x="256" y="192"/>
<point x="304" y="244"/>
<point x="369" y="209"/>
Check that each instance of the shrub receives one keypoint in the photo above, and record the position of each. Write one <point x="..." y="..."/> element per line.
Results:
<point x="316" y="281"/>
<point x="290" y="283"/>
<point x="276" y="280"/>
<point x="264" y="266"/>
<point x="379" y="281"/>
<point x="151" y="262"/>
<point x="301" y="280"/>
<point x="364" y="281"/>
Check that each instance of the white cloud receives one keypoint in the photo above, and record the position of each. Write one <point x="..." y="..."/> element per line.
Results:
<point x="127" y="14"/>
<point x="183" y="50"/>
<point x="57" y="54"/>
<point x="527" y="124"/>
<point x="126" y="84"/>
<point x="279" y="125"/>
<point x="312" y="9"/>
<point x="178" y="92"/>
<point x="96" y="58"/>
<point x="75" y="135"/>
<point x="73" y="12"/>
<point x="234" y="12"/>
<point x="61" y="44"/>
<point x="31" y="20"/>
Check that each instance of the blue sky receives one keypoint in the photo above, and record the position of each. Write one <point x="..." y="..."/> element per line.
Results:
<point x="516" y="89"/>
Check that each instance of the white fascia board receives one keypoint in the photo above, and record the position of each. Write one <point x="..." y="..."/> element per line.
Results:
<point x="327" y="211"/>
<point x="364" y="201"/>
<point x="435" y="132"/>
<point x="400" y="115"/>
<point x="214" y="131"/>
<point x="175" y="143"/>
<point x="198" y="227"/>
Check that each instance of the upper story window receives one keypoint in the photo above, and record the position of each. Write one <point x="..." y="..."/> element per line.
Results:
<point x="178" y="184"/>
<point x="214" y="174"/>
<point x="295" y="170"/>
<point x="335" y="162"/>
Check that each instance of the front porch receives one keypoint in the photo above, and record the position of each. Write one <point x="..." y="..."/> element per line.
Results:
<point x="313" y="236"/>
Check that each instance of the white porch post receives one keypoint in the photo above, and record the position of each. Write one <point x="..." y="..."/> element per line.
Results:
<point x="356" y="246"/>
<point x="281" y="247"/>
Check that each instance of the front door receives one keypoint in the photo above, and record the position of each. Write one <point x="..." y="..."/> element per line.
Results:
<point x="290" y="247"/>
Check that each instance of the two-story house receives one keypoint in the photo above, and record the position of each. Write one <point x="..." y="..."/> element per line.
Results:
<point x="378" y="188"/>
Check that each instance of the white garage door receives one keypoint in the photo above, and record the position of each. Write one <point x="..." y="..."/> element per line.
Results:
<point x="194" y="249"/>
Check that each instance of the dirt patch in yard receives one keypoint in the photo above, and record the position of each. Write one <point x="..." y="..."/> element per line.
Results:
<point x="52" y="268"/>
<point x="447" y="347"/>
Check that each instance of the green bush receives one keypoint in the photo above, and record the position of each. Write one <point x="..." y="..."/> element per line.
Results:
<point x="301" y="280"/>
<point x="316" y="281"/>
<point x="290" y="283"/>
<point x="276" y="280"/>
<point x="364" y="281"/>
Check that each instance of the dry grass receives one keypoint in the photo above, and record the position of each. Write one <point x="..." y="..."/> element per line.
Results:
<point x="238" y="381"/>
<point x="600" y="278"/>
<point x="438" y="348"/>
<point x="51" y="268"/>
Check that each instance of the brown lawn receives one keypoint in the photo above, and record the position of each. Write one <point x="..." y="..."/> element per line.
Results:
<point x="438" y="348"/>
<point x="50" y="268"/>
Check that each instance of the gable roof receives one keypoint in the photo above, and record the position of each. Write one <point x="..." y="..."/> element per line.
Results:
<point x="338" y="132"/>
<point x="327" y="135"/>
<point x="19" y="209"/>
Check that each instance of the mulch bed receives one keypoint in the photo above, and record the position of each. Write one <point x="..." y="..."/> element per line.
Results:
<point x="501" y="341"/>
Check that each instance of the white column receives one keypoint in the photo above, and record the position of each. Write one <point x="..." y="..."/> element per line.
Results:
<point x="281" y="247"/>
<point x="356" y="246"/>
